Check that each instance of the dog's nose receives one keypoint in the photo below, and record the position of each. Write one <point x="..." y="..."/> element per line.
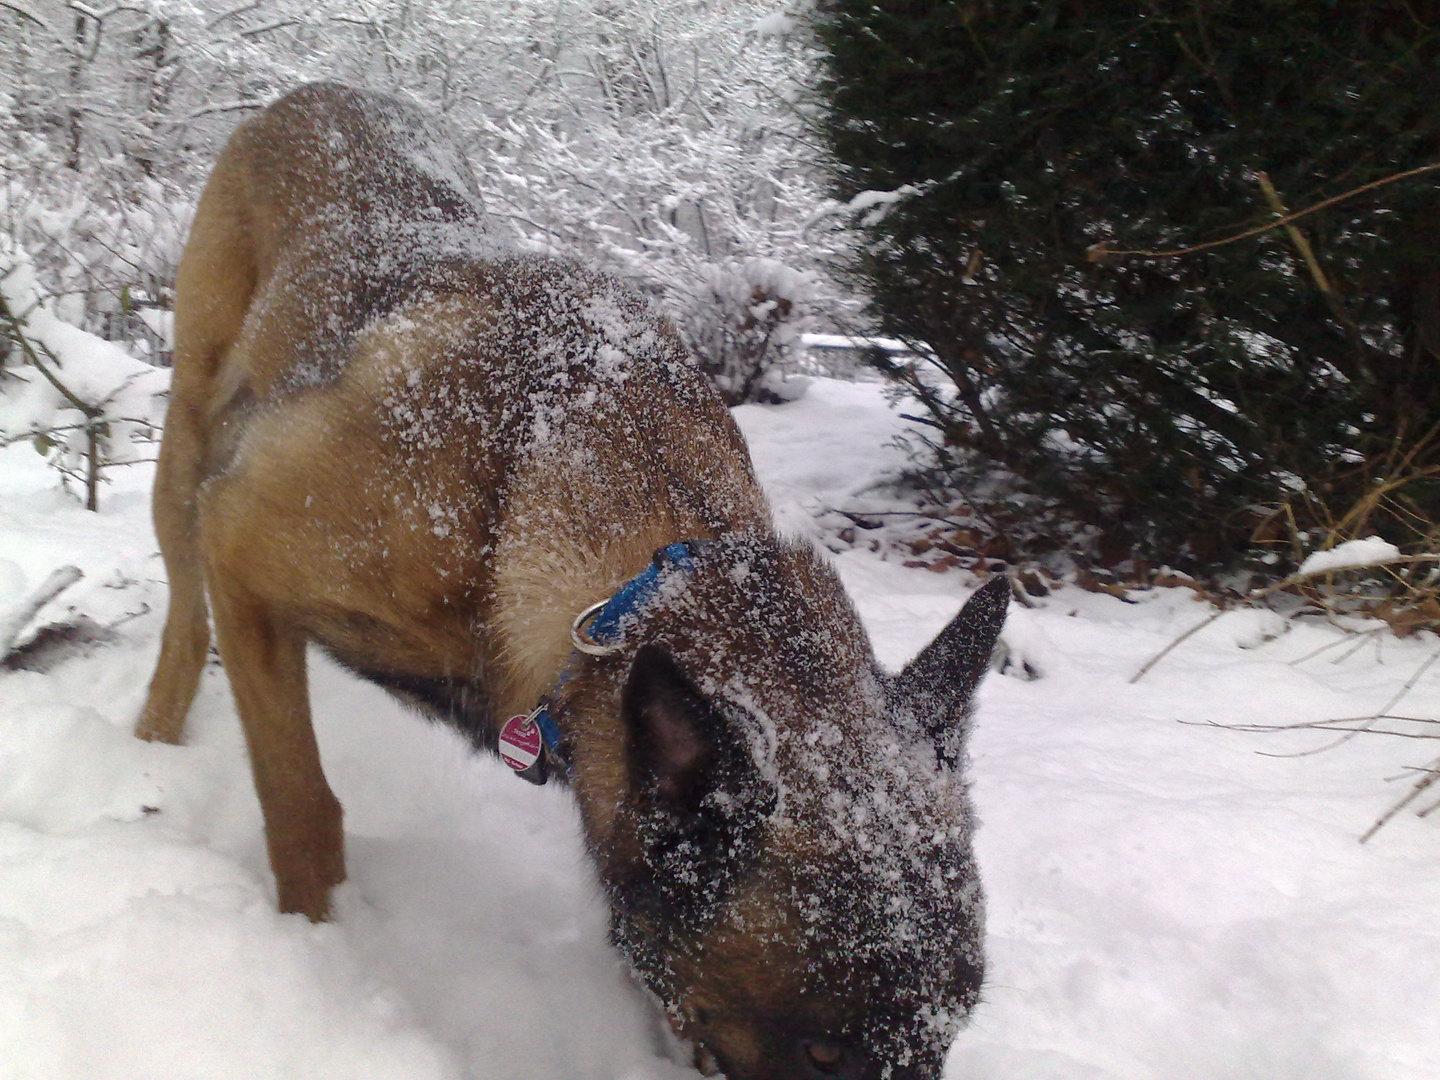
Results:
<point x="826" y="1059"/>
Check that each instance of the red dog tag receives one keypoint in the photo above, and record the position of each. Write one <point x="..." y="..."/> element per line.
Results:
<point x="520" y="742"/>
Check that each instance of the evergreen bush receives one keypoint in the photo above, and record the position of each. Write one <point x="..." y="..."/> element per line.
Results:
<point x="1187" y="407"/>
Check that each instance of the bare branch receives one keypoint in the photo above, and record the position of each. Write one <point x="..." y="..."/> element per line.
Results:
<point x="265" y="28"/>
<point x="232" y="13"/>
<point x="1100" y="252"/>
<point x="1171" y="647"/>
<point x="1289" y="583"/>
<point x="17" y="328"/>
<point x="212" y="110"/>
<point x="25" y="13"/>
<point x="1432" y="774"/>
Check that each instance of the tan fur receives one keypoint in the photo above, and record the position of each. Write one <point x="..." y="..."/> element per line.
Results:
<point x="297" y="508"/>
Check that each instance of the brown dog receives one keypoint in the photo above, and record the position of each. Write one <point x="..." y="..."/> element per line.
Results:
<point x="430" y="457"/>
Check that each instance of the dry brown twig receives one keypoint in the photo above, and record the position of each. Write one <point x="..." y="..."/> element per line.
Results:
<point x="1099" y="252"/>
<point x="1348" y="727"/>
<point x="1288" y="583"/>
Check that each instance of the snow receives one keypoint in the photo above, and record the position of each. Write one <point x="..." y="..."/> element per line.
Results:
<point x="848" y="341"/>
<point x="867" y="199"/>
<point x="876" y="204"/>
<point x="1350" y="555"/>
<point x="1167" y="898"/>
<point x="776" y="24"/>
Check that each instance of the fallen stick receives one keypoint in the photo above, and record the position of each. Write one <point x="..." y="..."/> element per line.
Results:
<point x="51" y="587"/>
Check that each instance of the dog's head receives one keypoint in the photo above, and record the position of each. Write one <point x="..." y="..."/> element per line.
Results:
<point x="787" y="851"/>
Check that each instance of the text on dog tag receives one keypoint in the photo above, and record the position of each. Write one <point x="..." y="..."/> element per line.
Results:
<point x="519" y="742"/>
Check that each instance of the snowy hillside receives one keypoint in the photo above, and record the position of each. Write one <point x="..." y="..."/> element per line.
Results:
<point x="1169" y="900"/>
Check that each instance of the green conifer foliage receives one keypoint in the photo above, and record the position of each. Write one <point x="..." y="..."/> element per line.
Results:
<point x="1174" y="402"/>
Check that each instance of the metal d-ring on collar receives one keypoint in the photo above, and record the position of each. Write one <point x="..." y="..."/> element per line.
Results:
<point x="578" y="635"/>
<point x="599" y="630"/>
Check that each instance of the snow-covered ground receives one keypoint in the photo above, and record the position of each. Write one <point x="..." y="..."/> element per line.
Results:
<point x="1168" y="899"/>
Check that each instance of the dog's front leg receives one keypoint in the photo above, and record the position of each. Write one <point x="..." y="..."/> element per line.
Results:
<point x="265" y="660"/>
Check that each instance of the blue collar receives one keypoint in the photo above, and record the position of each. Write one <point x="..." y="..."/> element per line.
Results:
<point x="599" y="630"/>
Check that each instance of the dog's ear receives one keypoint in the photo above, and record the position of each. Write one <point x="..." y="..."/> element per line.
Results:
<point x="678" y="745"/>
<point x="698" y="794"/>
<point x="937" y="688"/>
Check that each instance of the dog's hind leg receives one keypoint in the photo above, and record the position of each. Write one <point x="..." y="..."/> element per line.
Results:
<point x="213" y="288"/>
<point x="187" y="633"/>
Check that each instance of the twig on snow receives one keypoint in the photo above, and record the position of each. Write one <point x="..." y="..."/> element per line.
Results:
<point x="1169" y="648"/>
<point x="1432" y="774"/>
<point x="51" y="587"/>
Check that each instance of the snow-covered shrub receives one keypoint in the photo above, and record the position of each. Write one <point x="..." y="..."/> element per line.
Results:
<point x="84" y="402"/>
<point x="744" y="318"/>
<point x="1400" y="585"/>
